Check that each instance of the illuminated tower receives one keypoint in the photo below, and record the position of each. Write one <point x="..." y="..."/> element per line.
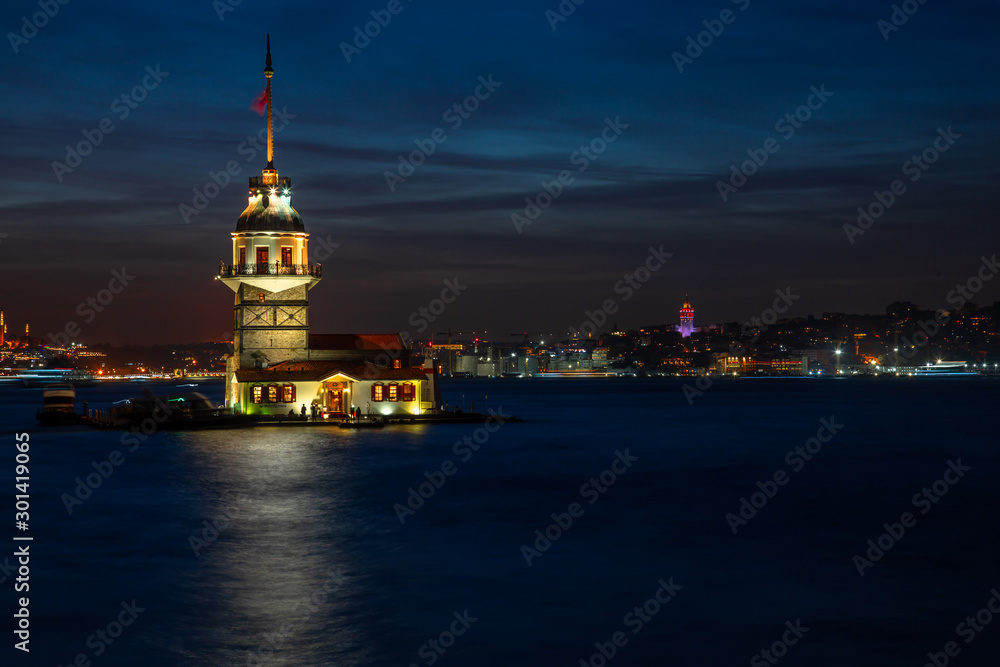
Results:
<point x="270" y="271"/>
<point x="687" y="318"/>
<point x="3" y="331"/>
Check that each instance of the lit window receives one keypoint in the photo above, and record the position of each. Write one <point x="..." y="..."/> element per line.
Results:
<point x="397" y="363"/>
<point x="377" y="392"/>
<point x="288" y="393"/>
<point x="393" y="391"/>
<point x="272" y="393"/>
<point x="258" y="392"/>
<point x="408" y="393"/>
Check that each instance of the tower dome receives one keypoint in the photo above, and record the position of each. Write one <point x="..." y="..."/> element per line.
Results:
<point x="270" y="208"/>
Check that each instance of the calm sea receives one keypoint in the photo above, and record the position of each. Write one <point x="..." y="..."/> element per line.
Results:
<point x="285" y="546"/>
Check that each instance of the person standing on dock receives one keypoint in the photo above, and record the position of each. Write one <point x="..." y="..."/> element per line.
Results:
<point x="303" y="411"/>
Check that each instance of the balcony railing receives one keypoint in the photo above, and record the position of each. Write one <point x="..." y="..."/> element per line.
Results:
<point x="272" y="269"/>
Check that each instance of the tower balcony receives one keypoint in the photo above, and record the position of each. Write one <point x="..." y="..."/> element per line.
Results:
<point x="270" y="269"/>
<point x="273" y="277"/>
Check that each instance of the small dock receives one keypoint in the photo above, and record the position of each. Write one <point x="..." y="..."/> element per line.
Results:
<point x="224" y="419"/>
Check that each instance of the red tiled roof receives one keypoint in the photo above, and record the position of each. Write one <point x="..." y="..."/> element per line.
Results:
<point x="355" y="342"/>
<point x="252" y="375"/>
<point x="314" y="371"/>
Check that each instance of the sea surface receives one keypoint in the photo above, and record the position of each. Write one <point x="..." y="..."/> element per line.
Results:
<point x="292" y="547"/>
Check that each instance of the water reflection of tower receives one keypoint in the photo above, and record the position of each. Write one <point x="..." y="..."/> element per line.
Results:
<point x="687" y="318"/>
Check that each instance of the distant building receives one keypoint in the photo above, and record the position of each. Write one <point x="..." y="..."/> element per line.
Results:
<point x="277" y="365"/>
<point x="686" y="327"/>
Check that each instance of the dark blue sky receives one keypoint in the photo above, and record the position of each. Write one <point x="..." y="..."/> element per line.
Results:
<point x="655" y="185"/>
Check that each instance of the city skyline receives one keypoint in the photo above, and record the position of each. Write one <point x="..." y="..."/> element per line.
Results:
<point x="742" y="165"/>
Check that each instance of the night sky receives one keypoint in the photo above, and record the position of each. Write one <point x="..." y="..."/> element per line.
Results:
<point x="656" y="184"/>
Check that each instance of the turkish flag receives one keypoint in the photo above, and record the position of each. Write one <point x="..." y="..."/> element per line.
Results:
<point x="260" y="103"/>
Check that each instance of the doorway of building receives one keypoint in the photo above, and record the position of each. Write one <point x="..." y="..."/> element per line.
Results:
<point x="335" y="400"/>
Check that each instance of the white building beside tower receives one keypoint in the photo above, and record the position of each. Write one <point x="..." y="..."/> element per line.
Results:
<point x="277" y="365"/>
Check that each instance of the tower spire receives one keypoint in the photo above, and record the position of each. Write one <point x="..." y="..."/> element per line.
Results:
<point x="268" y="72"/>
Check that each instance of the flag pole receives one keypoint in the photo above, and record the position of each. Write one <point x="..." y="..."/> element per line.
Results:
<point x="268" y="72"/>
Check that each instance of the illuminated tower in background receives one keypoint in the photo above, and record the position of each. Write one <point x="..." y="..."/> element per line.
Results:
<point x="687" y="318"/>
<point x="3" y="331"/>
